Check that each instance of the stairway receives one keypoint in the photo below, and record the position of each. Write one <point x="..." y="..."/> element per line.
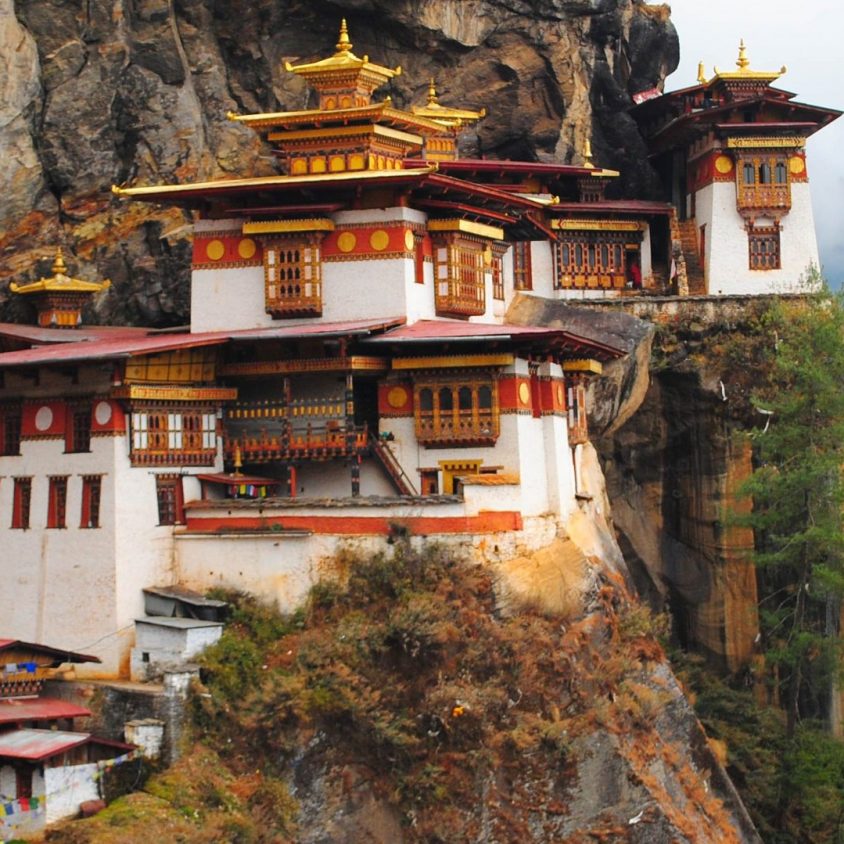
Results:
<point x="381" y="451"/>
<point x="691" y="252"/>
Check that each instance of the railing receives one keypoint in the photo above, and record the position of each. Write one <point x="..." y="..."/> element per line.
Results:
<point x="311" y="442"/>
<point x="464" y="427"/>
<point x="392" y="466"/>
<point x="764" y="196"/>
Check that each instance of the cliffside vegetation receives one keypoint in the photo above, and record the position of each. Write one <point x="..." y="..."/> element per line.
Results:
<point x="406" y="705"/>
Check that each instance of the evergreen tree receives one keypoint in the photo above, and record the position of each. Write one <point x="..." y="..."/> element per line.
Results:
<point x="798" y="493"/>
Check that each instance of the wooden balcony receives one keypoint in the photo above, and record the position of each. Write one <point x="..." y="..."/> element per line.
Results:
<point x="458" y="427"/>
<point x="460" y="298"/>
<point x="174" y="457"/>
<point x="764" y="197"/>
<point x="311" y="442"/>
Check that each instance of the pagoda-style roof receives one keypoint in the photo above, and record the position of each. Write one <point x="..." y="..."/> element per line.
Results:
<point x="742" y="74"/>
<point x="60" y="282"/>
<point x="343" y="66"/>
<point x="453" y="117"/>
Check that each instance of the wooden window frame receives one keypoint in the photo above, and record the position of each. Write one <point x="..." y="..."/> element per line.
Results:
<point x="522" y="267"/>
<point x="764" y="248"/>
<point x="21" y="503"/>
<point x="766" y="191"/>
<point x="459" y="275"/>
<point x="57" y="502"/>
<point x="576" y="409"/>
<point x="593" y="260"/>
<point x="461" y="423"/>
<point x="170" y="498"/>
<point x="173" y="436"/>
<point x="293" y="276"/>
<point x="78" y="428"/>
<point x="92" y="488"/>
<point x="10" y="430"/>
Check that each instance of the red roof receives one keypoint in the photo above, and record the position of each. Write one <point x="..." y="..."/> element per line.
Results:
<point x="56" y="653"/>
<point x="124" y="346"/>
<point x="39" y="709"/>
<point x="35" y="745"/>
<point x="619" y="206"/>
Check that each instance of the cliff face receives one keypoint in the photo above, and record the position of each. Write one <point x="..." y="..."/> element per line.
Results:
<point x="106" y="92"/>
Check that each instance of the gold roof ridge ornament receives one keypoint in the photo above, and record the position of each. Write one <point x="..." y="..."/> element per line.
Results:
<point x="743" y="71"/>
<point x="60" y="281"/>
<point x="587" y="155"/>
<point x="451" y="117"/>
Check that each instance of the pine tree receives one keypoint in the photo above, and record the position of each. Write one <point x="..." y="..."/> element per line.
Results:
<point x="798" y="493"/>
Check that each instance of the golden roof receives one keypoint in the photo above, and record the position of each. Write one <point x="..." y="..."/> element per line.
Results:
<point x="744" y="73"/>
<point x="342" y="62"/>
<point x="443" y="114"/>
<point x="60" y="282"/>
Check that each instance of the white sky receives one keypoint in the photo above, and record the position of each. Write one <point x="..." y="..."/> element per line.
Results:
<point x="808" y="37"/>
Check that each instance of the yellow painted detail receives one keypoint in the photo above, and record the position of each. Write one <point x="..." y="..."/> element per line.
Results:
<point x="397" y="397"/>
<point x="347" y="242"/>
<point x="409" y="239"/>
<point x="524" y="393"/>
<point x="449" y="362"/>
<point x="724" y="164"/>
<point x="583" y="365"/>
<point x="466" y="226"/>
<point x="379" y="240"/>
<point x="308" y="224"/>
<point x="299" y="166"/>
<point x="797" y="165"/>
<point x="247" y="248"/>
<point x="215" y="250"/>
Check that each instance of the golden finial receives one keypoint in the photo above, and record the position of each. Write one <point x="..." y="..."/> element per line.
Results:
<point x="238" y="460"/>
<point x="587" y="155"/>
<point x="742" y="62"/>
<point x="701" y="73"/>
<point x="59" y="267"/>
<point x="433" y="99"/>
<point x="343" y="45"/>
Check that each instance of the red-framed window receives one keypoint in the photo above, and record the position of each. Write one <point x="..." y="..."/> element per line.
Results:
<point x="92" y="486"/>
<point x="171" y="501"/>
<point x="522" y="271"/>
<point x="10" y="430"/>
<point x="57" y="502"/>
<point x="21" y="500"/>
<point x="78" y="430"/>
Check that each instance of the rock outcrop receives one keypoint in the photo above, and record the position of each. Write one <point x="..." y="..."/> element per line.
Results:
<point x="111" y="92"/>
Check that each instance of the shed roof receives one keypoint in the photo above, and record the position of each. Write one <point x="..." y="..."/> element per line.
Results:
<point x="59" y="654"/>
<point x="35" y="745"/>
<point x="39" y="709"/>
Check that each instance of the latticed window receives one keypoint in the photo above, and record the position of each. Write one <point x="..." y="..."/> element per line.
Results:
<point x="522" y="271"/>
<point x="78" y="431"/>
<point x="498" y="273"/>
<point x="764" y="248"/>
<point x="10" y="430"/>
<point x="763" y="182"/>
<point x="459" y="275"/>
<point x="456" y="412"/>
<point x="21" y="500"/>
<point x="57" y="502"/>
<point x="590" y="261"/>
<point x="293" y="277"/>
<point x="168" y="490"/>
<point x="173" y="437"/>
<point x="576" y="402"/>
<point x="91" y="492"/>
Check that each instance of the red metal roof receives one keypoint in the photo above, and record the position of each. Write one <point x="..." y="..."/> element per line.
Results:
<point x="516" y="168"/>
<point x="56" y="653"/>
<point x="114" y="348"/>
<point x="39" y="709"/>
<point x="35" y="745"/>
<point x="620" y="206"/>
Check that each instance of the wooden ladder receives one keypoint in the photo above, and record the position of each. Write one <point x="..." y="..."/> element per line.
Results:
<point x="392" y="466"/>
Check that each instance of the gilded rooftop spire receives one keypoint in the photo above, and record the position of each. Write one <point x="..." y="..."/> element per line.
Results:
<point x="453" y="117"/>
<point x="743" y="73"/>
<point x="743" y="63"/>
<point x="343" y="44"/>
<point x="587" y="154"/>
<point x="433" y="99"/>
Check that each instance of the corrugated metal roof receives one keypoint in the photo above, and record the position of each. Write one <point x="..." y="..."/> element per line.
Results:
<point x="39" y="709"/>
<point x="108" y="347"/>
<point x="35" y="745"/>
<point x="57" y="653"/>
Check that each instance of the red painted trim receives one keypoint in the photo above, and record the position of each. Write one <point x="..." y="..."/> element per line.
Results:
<point x="487" y="521"/>
<point x="30" y="411"/>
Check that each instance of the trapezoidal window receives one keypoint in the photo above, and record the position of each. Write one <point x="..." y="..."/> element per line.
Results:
<point x="57" y="502"/>
<point x="764" y="248"/>
<point x="456" y="412"/>
<point x="10" y="430"/>
<point x="21" y="500"/>
<point x="293" y="277"/>
<point x="91" y="493"/>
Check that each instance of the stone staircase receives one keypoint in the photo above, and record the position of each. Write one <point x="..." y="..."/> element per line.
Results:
<point x="691" y="252"/>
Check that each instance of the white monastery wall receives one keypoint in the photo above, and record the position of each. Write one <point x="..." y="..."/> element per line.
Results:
<point x="645" y="254"/>
<point x="68" y="786"/>
<point x="366" y="289"/>
<point x="727" y="269"/>
<point x="228" y="299"/>
<point x="542" y="269"/>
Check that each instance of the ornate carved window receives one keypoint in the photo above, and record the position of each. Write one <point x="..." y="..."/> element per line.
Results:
<point x="498" y="272"/>
<point x="459" y="275"/>
<point x="763" y="182"/>
<point x="21" y="500"/>
<point x="293" y="276"/>
<point x="57" y="502"/>
<point x="173" y="437"/>
<point x="576" y="403"/>
<point x="10" y="430"/>
<point x="522" y="271"/>
<point x="593" y="260"/>
<point x="91" y="492"/>
<point x="764" y="248"/>
<point x="454" y="410"/>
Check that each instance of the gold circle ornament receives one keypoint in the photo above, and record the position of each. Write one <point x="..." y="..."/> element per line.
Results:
<point x="796" y="164"/>
<point x="215" y="250"/>
<point x="409" y="240"/>
<point x="524" y="393"/>
<point x="560" y="394"/>
<point x="397" y="397"/>
<point x="247" y="248"/>
<point x="379" y="240"/>
<point x="347" y="242"/>
<point x="724" y="164"/>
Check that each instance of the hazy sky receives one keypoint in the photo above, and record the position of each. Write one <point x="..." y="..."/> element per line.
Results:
<point x="807" y="37"/>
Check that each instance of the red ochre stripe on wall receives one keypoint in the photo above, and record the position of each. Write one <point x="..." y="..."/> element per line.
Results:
<point x="370" y="241"/>
<point x="43" y="419"/>
<point x="491" y="521"/>
<point x="227" y="249"/>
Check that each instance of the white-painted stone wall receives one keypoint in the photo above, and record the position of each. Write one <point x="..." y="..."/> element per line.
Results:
<point x="67" y="787"/>
<point x="727" y="256"/>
